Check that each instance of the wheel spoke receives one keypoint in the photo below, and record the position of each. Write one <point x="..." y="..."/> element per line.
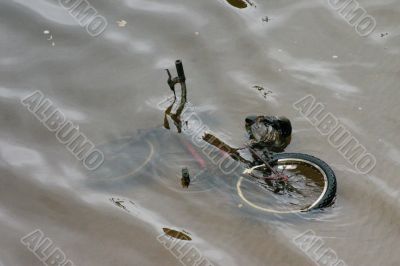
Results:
<point x="295" y="182"/>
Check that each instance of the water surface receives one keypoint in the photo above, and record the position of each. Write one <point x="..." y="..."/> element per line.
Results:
<point x="111" y="85"/>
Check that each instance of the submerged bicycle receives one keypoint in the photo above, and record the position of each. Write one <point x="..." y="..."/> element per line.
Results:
<point x="304" y="181"/>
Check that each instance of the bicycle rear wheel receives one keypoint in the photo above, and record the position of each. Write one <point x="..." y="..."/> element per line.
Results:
<point x="309" y="184"/>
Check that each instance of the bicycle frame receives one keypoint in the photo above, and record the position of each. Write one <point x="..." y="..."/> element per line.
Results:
<point x="181" y="79"/>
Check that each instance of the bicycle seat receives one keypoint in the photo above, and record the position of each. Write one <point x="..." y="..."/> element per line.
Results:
<point x="271" y="132"/>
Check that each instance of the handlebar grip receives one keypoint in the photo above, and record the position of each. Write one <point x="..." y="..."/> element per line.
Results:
<point x="179" y="70"/>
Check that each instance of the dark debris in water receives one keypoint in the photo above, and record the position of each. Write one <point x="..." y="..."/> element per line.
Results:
<point x="185" y="180"/>
<point x="182" y="235"/>
<point x="240" y="3"/>
<point x="237" y="3"/>
<point x="263" y="91"/>
<point x="121" y="203"/>
<point x="266" y="19"/>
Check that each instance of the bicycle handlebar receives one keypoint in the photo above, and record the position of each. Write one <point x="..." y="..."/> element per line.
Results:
<point x="179" y="70"/>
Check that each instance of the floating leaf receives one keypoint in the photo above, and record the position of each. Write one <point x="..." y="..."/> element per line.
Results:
<point x="237" y="3"/>
<point x="177" y="234"/>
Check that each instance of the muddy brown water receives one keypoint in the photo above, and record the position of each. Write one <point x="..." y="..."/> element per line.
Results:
<point x="111" y="86"/>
